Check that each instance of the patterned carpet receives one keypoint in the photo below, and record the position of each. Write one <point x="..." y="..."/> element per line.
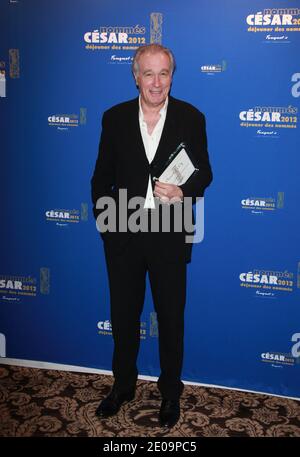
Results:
<point x="39" y="403"/>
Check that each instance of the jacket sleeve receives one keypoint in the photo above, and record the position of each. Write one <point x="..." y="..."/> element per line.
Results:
<point x="103" y="180"/>
<point x="196" y="185"/>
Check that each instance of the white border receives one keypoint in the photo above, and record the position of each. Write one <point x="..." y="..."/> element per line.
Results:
<point x="58" y="366"/>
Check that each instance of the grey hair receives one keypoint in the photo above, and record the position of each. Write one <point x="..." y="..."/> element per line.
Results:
<point x="153" y="49"/>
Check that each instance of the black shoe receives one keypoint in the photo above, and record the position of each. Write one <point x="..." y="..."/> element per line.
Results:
<point x="169" y="413"/>
<point x="113" y="402"/>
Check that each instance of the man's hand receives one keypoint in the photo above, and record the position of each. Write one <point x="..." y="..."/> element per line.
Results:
<point x="167" y="193"/>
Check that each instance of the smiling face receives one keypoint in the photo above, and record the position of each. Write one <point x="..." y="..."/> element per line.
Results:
<point x="154" y="78"/>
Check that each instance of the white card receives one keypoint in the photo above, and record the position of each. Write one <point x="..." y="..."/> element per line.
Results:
<point x="179" y="170"/>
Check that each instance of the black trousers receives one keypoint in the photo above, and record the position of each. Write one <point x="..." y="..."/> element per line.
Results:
<point x="127" y="280"/>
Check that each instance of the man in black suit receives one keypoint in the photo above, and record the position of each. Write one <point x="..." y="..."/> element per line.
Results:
<point x="137" y="138"/>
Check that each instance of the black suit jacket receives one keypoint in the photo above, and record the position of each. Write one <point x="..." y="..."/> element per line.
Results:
<point x="122" y="164"/>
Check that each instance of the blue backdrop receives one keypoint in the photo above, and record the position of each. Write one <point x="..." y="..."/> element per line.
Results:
<point x="62" y="63"/>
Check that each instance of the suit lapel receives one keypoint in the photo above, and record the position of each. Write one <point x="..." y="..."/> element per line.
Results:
<point x="167" y="143"/>
<point x="135" y="134"/>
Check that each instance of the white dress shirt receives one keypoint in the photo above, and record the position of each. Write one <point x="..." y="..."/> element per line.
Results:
<point x="151" y="143"/>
